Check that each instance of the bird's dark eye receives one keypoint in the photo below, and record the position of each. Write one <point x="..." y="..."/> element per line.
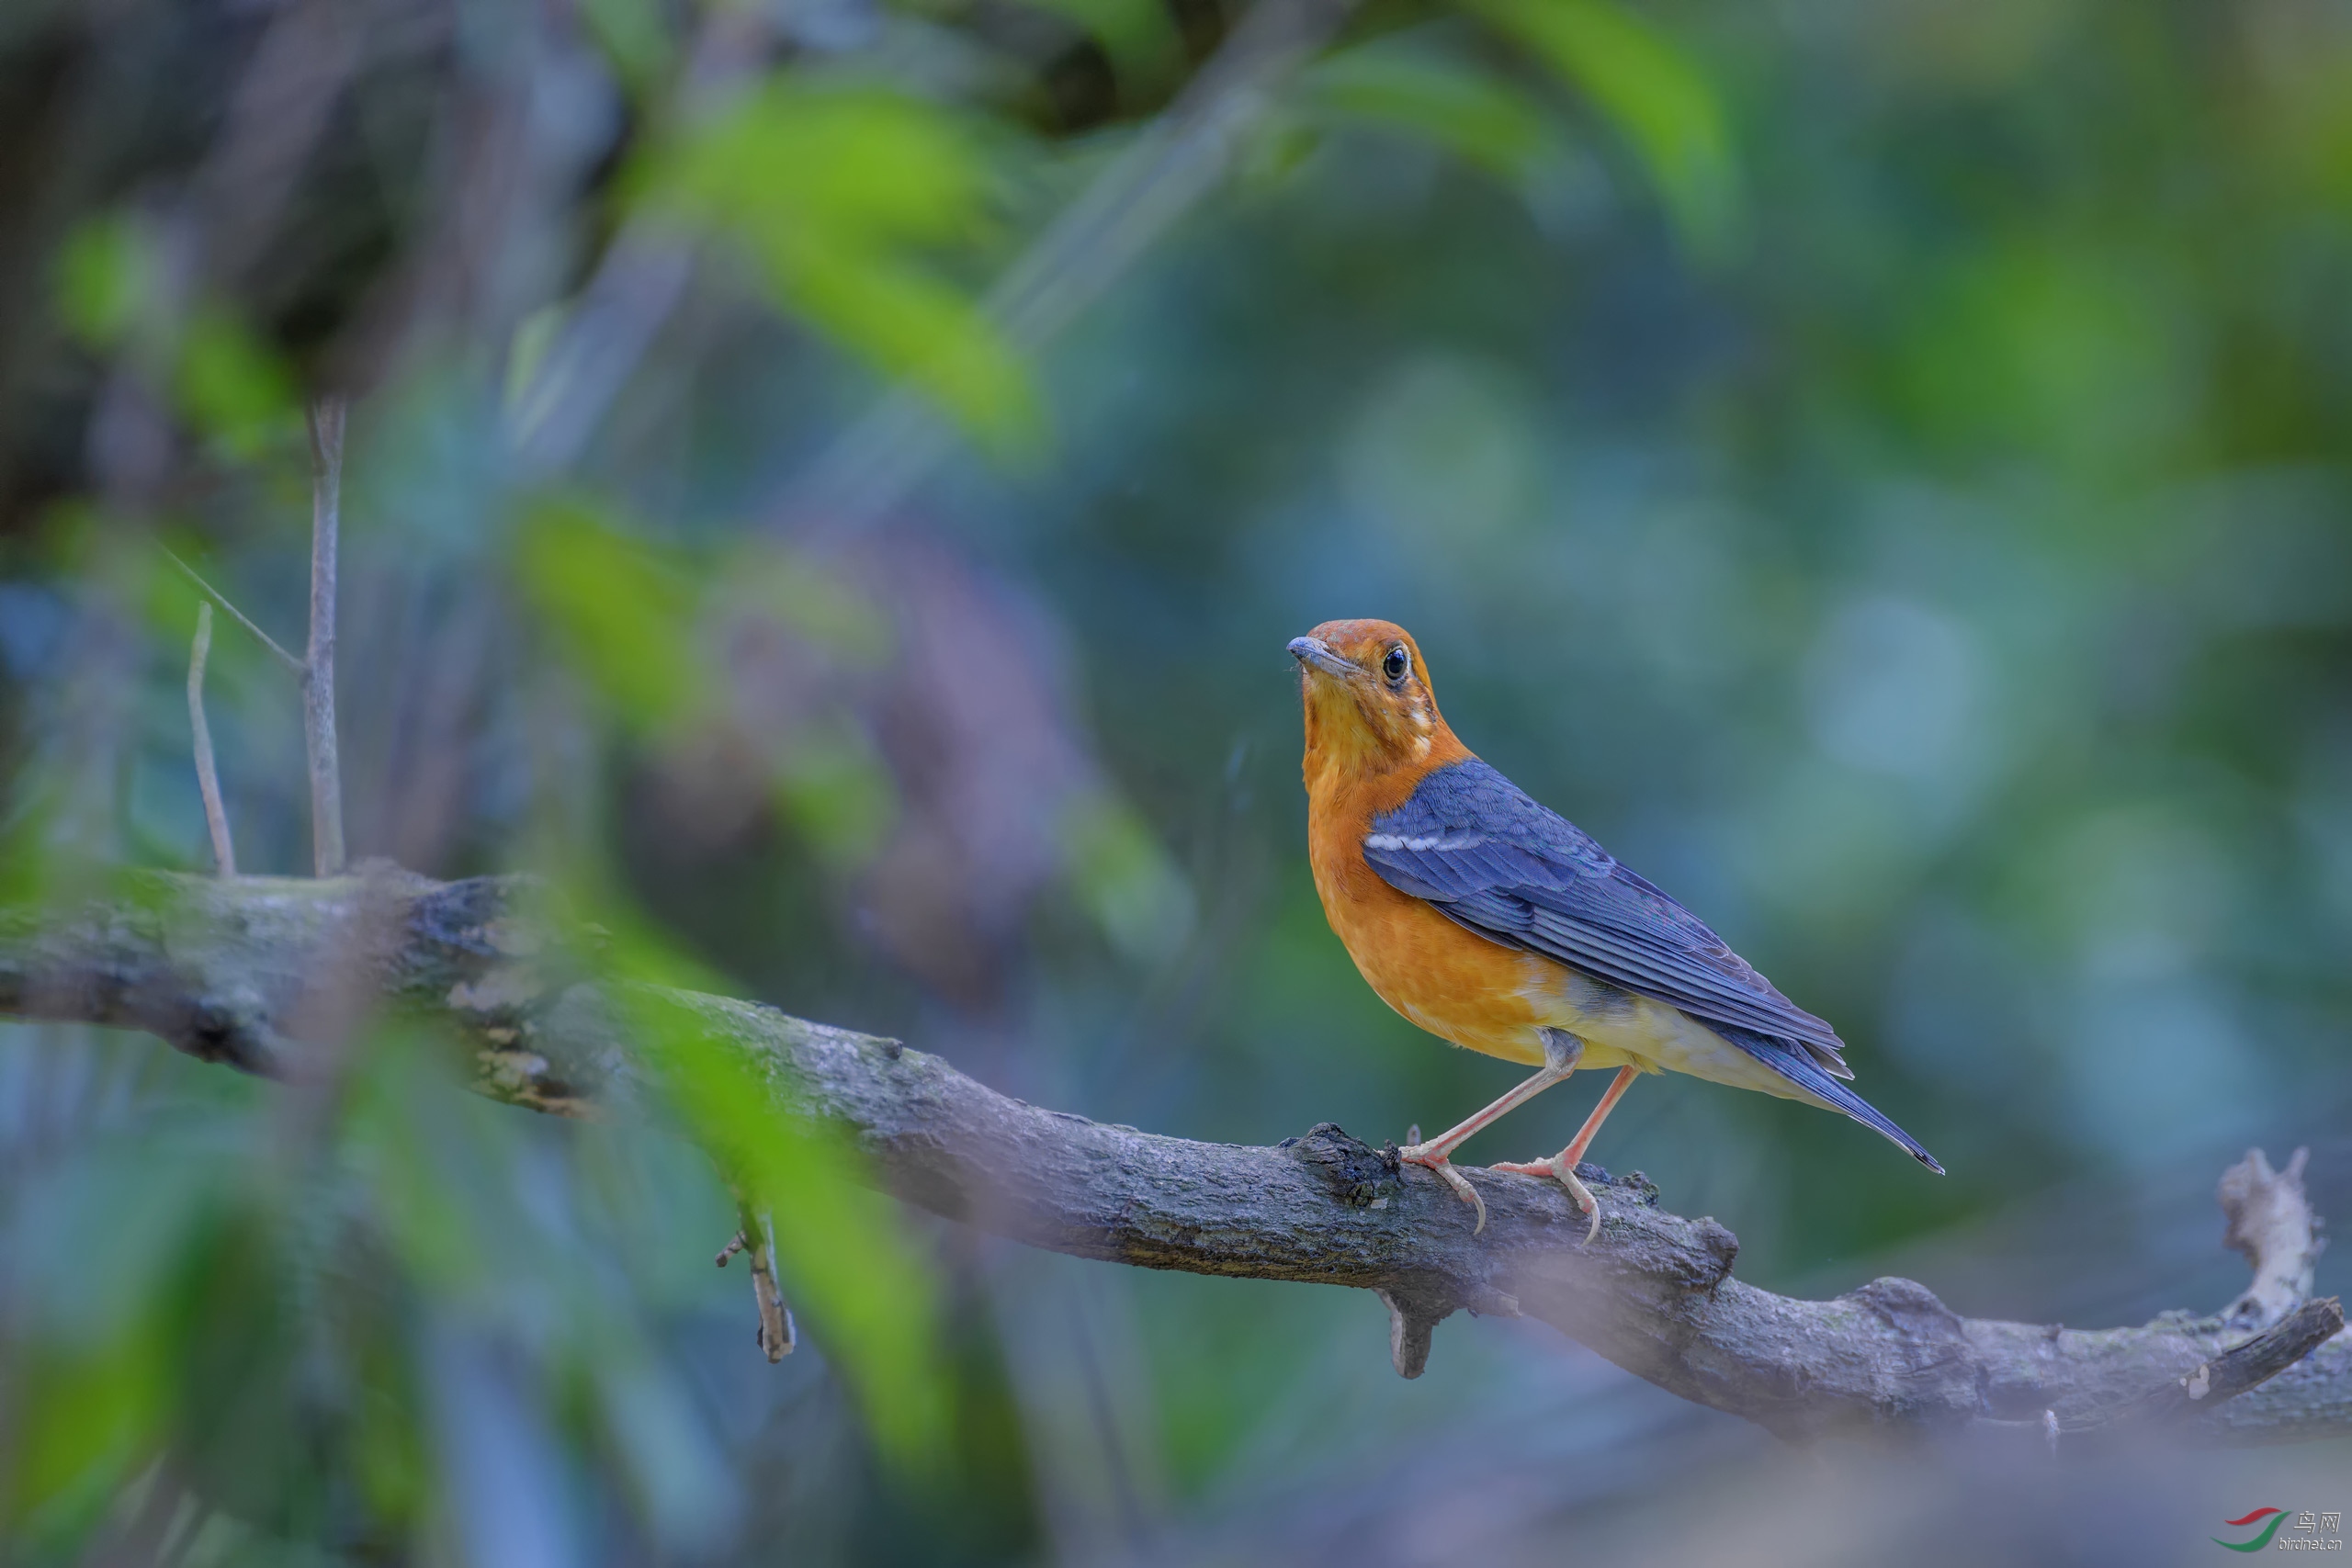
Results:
<point x="1397" y="665"/>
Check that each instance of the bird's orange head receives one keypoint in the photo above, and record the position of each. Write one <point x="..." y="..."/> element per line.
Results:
<point x="1369" y="706"/>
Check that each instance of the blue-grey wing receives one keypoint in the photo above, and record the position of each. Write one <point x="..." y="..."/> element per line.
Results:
<point x="1489" y="858"/>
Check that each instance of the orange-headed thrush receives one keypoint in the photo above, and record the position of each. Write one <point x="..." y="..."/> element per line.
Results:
<point x="1500" y="926"/>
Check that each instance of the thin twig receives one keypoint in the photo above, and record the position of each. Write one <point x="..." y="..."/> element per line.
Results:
<point x="221" y="599"/>
<point x="777" y="1332"/>
<point x="207" y="781"/>
<point x="318" y="681"/>
<point x="777" y="1336"/>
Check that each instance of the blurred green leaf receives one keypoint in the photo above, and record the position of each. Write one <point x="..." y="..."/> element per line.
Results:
<point x="629" y="616"/>
<point x="1137" y="35"/>
<point x="1654" y="94"/>
<point x="108" y="1361"/>
<point x="85" y="1422"/>
<point x="1283" y="145"/>
<point x="847" y="198"/>
<point x="1125" y="878"/>
<point x="850" y="1269"/>
<point x="633" y="36"/>
<point x="415" y="1166"/>
<point x="805" y="593"/>
<point x="866" y="1291"/>
<point x="389" y="1455"/>
<point x="2042" y="343"/>
<point x="1472" y="113"/>
<point x="836" y="789"/>
<point x="622" y="610"/>
<point x="28" y="876"/>
<point x="104" y="276"/>
<point x="230" y="387"/>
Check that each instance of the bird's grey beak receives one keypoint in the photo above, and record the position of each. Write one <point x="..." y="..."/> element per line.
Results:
<point x="1314" y="652"/>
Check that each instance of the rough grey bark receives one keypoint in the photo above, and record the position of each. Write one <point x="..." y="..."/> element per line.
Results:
<point x="236" y="973"/>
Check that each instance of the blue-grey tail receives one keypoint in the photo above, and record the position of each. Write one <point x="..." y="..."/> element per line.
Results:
<point x="1792" y="1063"/>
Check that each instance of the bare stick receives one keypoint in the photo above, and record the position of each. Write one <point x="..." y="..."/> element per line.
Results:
<point x="207" y="781"/>
<point x="236" y="615"/>
<point x="2271" y="1223"/>
<point x="776" y="1334"/>
<point x="317" y="680"/>
<point x="777" y="1331"/>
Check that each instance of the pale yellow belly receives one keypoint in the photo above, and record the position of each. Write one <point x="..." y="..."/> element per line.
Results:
<point x="1657" y="1038"/>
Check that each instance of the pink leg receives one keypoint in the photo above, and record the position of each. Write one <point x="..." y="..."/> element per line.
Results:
<point x="1563" y="1164"/>
<point x="1574" y="1154"/>
<point x="1562" y="1051"/>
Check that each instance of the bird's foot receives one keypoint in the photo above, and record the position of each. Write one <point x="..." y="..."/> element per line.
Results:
<point x="1563" y="1170"/>
<point x="1430" y="1156"/>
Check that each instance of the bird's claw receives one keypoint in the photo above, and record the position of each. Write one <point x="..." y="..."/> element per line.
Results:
<point x="1564" y="1172"/>
<point x="1431" y="1160"/>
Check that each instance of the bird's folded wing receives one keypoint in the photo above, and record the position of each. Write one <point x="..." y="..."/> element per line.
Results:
<point x="1487" y="856"/>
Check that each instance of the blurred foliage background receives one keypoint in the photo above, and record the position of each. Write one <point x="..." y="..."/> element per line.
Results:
<point x="829" y="484"/>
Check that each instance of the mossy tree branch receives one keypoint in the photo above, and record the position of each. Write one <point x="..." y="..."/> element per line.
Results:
<point x="235" y="971"/>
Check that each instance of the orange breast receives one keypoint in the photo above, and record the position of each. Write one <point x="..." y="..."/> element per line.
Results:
<point x="1457" y="986"/>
